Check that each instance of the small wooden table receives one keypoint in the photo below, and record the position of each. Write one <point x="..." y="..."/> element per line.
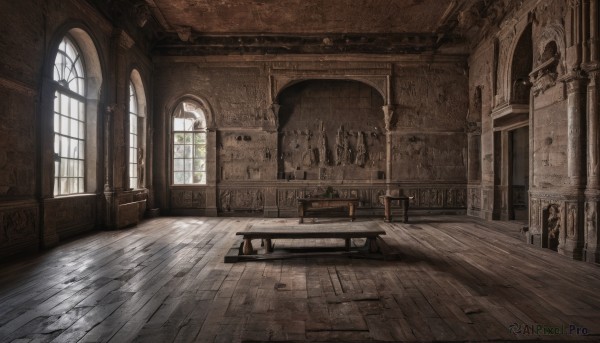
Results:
<point x="347" y="232"/>
<point x="386" y="200"/>
<point x="312" y="204"/>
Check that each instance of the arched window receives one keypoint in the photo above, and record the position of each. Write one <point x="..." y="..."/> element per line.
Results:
<point x="189" y="144"/>
<point x="134" y="158"/>
<point x="69" y="119"/>
<point x="137" y="129"/>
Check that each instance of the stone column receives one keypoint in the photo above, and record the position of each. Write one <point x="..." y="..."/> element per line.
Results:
<point x="116" y="133"/>
<point x="474" y="153"/>
<point x="591" y="248"/>
<point x="575" y="115"/>
<point x="576" y="95"/>
<point x="388" y="112"/>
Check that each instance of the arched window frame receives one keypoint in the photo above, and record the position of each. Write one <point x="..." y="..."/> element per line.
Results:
<point x="189" y="144"/>
<point x="137" y="131"/>
<point x="133" y="138"/>
<point x="69" y="117"/>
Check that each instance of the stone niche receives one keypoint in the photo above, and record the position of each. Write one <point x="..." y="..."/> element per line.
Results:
<point x="331" y="130"/>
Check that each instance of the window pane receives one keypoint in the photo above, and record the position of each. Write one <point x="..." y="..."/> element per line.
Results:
<point x="199" y="178"/>
<point x="188" y="177"/>
<point x="187" y="164"/>
<point x="178" y="177"/>
<point x="81" y="169"/>
<point x="81" y="150"/>
<point x="64" y="125"/>
<point x="74" y="128"/>
<point x="64" y="146"/>
<point x="64" y="104"/>
<point x="188" y="138"/>
<point x="200" y="138"/>
<point x="63" y="168"/>
<point x="178" y="124"/>
<point x="81" y="187"/>
<point x="178" y="138"/>
<point x="188" y="151"/>
<point x="178" y="151"/>
<point x="178" y="164"/>
<point x="200" y="151"/>
<point x="199" y="165"/>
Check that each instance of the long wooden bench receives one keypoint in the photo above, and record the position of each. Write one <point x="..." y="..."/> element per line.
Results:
<point x="306" y="205"/>
<point x="346" y="232"/>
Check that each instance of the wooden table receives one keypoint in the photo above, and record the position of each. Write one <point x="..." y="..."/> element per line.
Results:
<point x="386" y="200"/>
<point x="317" y="204"/>
<point x="347" y="232"/>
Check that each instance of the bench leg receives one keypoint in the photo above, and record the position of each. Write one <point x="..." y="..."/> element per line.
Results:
<point x="352" y="210"/>
<point x="348" y="244"/>
<point x="387" y="210"/>
<point x="372" y="245"/>
<point x="247" y="249"/>
<point x="269" y="245"/>
<point x="405" y="210"/>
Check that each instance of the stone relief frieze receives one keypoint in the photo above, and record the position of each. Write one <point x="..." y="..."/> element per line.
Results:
<point x="188" y="198"/>
<point x="241" y="199"/>
<point x="17" y="225"/>
<point x="242" y="156"/>
<point x="70" y="212"/>
<point x="420" y="93"/>
<point x="286" y="198"/>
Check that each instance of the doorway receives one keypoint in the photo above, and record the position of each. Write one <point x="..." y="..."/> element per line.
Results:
<point x="519" y="178"/>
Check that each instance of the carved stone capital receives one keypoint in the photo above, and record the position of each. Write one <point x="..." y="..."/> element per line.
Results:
<point x="574" y="80"/>
<point x="123" y="39"/>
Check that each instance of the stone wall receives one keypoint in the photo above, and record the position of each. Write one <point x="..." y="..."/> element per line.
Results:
<point x="289" y="127"/>
<point x="561" y="119"/>
<point x="31" y="30"/>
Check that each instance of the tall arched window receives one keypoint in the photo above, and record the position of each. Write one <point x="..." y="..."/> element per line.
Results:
<point x="133" y="138"/>
<point x="137" y="130"/>
<point x="189" y="144"/>
<point x="69" y="119"/>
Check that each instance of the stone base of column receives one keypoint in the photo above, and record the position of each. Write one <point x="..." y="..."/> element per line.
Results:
<point x="591" y="253"/>
<point x="572" y="249"/>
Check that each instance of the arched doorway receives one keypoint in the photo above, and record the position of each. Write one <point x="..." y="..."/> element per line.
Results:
<point x="511" y="136"/>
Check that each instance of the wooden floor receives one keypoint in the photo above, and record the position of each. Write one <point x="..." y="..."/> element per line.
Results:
<point x="448" y="278"/>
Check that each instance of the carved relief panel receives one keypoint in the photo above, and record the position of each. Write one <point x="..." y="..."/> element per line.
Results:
<point x="188" y="198"/>
<point x="331" y="130"/>
<point x="241" y="200"/>
<point x="245" y="155"/>
<point x="18" y="225"/>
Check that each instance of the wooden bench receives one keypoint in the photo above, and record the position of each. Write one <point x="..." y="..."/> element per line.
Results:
<point x="318" y="204"/>
<point x="386" y="200"/>
<point x="346" y="232"/>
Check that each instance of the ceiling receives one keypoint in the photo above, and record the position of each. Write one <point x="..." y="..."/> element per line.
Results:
<point x="214" y="27"/>
<point x="304" y="16"/>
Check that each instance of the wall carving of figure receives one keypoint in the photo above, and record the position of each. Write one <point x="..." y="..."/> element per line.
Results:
<point x="225" y="200"/>
<point x="140" y="161"/>
<point x="323" y="161"/>
<point x="572" y="224"/>
<point x="553" y="224"/>
<point x="340" y="151"/>
<point x="309" y="157"/>
<point x="361" y="150"/>
<point x="590" y="222"/>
